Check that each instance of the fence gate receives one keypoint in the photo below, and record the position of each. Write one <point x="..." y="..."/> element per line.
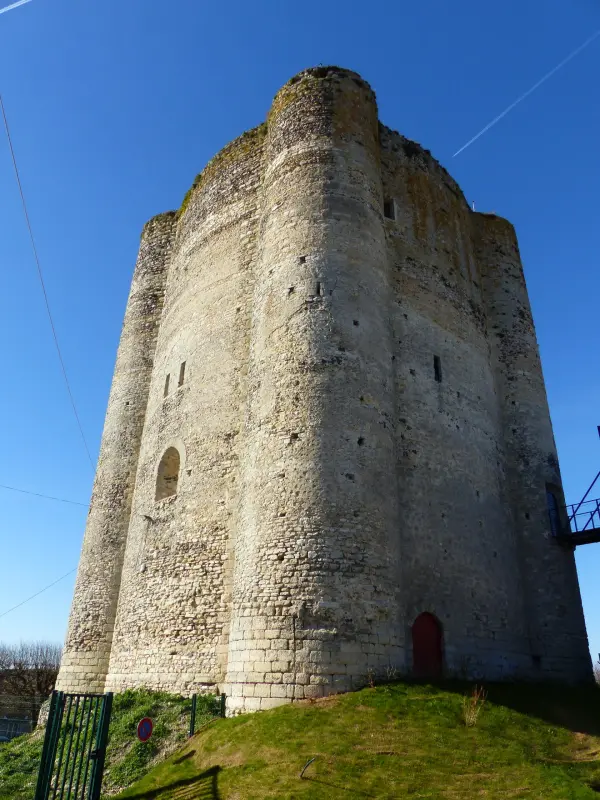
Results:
<point x="74" y="747"/>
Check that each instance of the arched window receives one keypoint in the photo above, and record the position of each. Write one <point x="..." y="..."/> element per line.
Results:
<point x="553" y="511"/>
<point x="427" y="640"/>
<point x="168" y="474"/>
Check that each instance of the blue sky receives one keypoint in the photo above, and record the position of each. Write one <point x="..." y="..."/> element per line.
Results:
<point x="115" y="107"/>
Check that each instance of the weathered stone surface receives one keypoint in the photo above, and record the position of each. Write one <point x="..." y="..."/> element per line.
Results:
<point x="361" y="426"/>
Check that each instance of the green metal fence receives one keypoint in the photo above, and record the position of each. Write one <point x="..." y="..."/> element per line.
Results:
<point x="74" y="747"/>
<point x="213" y="705"/>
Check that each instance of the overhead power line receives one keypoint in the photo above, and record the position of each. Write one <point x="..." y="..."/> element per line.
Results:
<point x="41" y="591"/>
<point x="526" y="94"/>
<point x="45" y="496"/>
<point x="41" y="277"/>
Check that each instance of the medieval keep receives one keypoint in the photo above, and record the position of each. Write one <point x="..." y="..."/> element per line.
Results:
<point x="327" y="449"/>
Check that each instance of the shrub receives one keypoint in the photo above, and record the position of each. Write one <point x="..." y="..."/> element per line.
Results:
<point x="472" y="705"/>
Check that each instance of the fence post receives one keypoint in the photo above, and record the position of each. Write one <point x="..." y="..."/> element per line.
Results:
<point x="223" y="705"/>
<point x="99" y="753"/>
<point x="193" y="717"/>
<point x="50" y="741"/>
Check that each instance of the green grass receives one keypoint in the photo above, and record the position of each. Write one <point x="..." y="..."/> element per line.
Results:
<point x="19" y="763"/>
<point x="397" y="741"/>
<point x="127" y="759"/>
<point x="401" y="740"/>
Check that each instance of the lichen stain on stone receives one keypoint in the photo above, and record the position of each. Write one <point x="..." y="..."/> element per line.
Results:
<point x="236" y="150"/>
<point x="418" y="186"/>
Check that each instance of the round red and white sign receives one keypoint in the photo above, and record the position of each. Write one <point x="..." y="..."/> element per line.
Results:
<point x="144" y="729"/>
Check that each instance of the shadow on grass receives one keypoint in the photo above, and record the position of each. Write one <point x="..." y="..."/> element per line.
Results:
<point x="200" y="787"/>
<point x="576" y="708"/>
<point x="184" y="757"/>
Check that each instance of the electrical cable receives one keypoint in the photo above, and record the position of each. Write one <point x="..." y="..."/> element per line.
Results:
<point x="45" y="496"/>
<point x="39" y="270"/>
<point x="50" y="585"/>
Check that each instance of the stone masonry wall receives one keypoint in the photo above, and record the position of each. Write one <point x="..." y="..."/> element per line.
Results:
<point x="315" y="602"/>
<point x="361" y="423"/>
<point x="173" y="615"/>
<point x="552" y="601"/>
<point x="456" y="528"/>
<point x="89" y="637"/>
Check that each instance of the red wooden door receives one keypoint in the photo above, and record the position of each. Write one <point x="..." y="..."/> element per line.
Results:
<point x="427" y="646"/>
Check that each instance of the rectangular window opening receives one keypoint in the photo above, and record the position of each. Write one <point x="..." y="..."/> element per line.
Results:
<point x="181" y="373"/>
<point x="319" y="288"/>
<point x="389" y="209"/>
<point x="166" y="386"/>
<point x="437" y="368"/>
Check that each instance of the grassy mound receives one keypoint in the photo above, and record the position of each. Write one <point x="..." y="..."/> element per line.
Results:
<point x="396" y="741"/>
<point x="127" y="759"/>
<point x="19" y="764"/>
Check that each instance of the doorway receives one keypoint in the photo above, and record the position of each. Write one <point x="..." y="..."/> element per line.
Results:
<point x="427" y="642"/>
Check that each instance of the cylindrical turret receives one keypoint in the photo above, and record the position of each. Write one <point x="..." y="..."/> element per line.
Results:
<point x="315" y="594"/>
<point x="173" y="614"/>
<point x="558" y="640"/>
<point x="87" y="647"/>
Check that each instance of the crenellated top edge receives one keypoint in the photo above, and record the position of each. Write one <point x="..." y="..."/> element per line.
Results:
<point x="491" y="216"/>
<point x="323" y="72"/>
<point x="494" y="225"/>
<point x="165" y="219"/>
<point x="255" y="137"/>
<point x="236" y="148"/>
<point x="416" y="152"/>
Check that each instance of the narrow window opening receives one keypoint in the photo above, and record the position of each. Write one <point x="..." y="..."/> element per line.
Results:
<point x="168" y="474"/>
<point x="437" y="368"/>
<point x="553" y="511"/>
<point x="166" y="386"/>
<point x="319" y="289"/>
<point x="303" y="259"/>
<point x="389" y="209"/>
<point x="181" y="373"/>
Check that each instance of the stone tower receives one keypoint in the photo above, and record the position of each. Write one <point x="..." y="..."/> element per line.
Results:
<point x="327" y="449"/>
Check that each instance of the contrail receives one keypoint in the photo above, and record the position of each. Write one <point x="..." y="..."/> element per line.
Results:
<point x="530" y="91"/>
<point x="14" y="5"/>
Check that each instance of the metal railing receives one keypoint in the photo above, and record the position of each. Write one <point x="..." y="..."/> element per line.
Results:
<point x="583" y="500"/>
<point x="18" y="715"/>
<point x="11" y="727"/>
<point x="584" y="516"/>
